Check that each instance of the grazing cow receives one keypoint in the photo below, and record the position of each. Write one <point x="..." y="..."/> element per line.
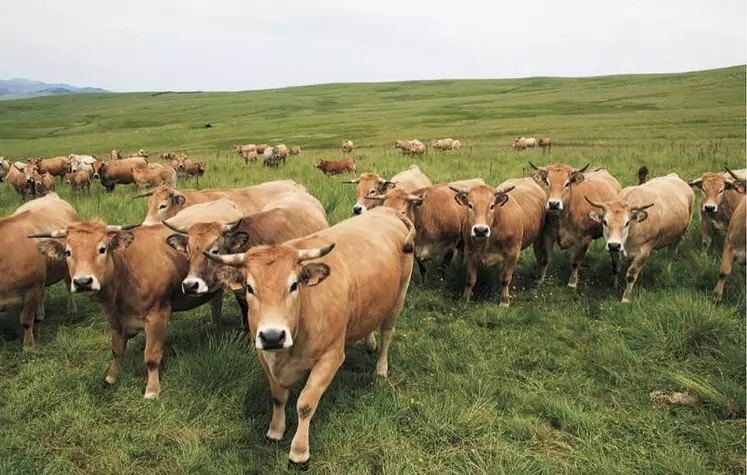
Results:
<point x="522" y="143"/>
<point x="410" y="147"/>
<point x="568" y="222"/>
<point x="196" y="169"/>
<point x="498" y="226"/>
<point x="457" y="145"/>
<point x="166" y="156"/>
<point x="370" y="185"/>
<point x="4" y="168"/>
<point x="261" y="148"/>
<point x="443" y="144"/>
<point x="347" y="146"/>
<point x="736" y="237"/>
<point x="56" y="166"/>
<point x="335" y="167"/>
<point x="116" y="155"/>
<point x="79" y="181"/>
<point x="44" y="184"/>
<point x="166" y="202"/>
<point x="116" y="172"/>
<point x="545" y="143"/>
<point x="250" y="157"/>
<point x="293" y="151"/>
<point x="25" y="272"/>
<point x="301" y="313"/>
<point x="146" y="177"/>
<point x="720" y="199"/>
<point x="645" y="217"/>
<point x="242" y="149"/>
<point x="21" y="177"/>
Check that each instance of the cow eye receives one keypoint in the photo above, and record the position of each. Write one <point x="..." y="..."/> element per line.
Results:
<point x="492" y="206"/>
<point x="293" y="287"/>
<point x="604" y="222"/>
<point x="68" y="253"/>
<point x="627" y="224"/>
<point x="214" y="250"/>
<point x="102" y="250"/>
<point x="470" y="205"/>
<point x="163" y="206"/>
<point x="249" y="289"/>
<point x="372" y="191"/>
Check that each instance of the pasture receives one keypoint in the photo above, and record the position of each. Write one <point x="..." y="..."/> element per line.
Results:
<point x="558" y="383"/>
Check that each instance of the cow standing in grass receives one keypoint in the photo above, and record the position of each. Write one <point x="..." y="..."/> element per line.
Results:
<point x="720" y="199"/>
<point x="736" y="236"/>
<point x="369" y="185"/>
<point x="335" y="167"/>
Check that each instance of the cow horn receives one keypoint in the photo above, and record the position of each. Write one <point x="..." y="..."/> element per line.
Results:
<point x="233" y="260"/>
<point x="733" y="175"/>
<point x="356" y="180"/>
<point x="230" y="227"/>
<point x="505" y="190"/>
<point x="581" y="170"/>
<point x="412" y="197"/>
<point x="175" y="228"/>
<point x="376" y="197"/>
<point x="114" y="229"/>
<point x="596" y="205"/>
<point x="457" y="190"/>
<point x="533" y="166"/>
<point x="306" y="254"/>
<point x="641" y="208"/>
<point x="60" y="233"/>
<point x="145" y="194"/>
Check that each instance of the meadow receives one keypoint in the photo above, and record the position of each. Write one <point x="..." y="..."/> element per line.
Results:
<point x="558" y="383"/>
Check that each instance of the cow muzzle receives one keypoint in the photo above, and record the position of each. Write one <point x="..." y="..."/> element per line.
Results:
<point x="85" y="283"/>
<point x="710" y="208"/>
<point x="359" y="209"/>
<point x="480" y="231"/>
<point x="194" y="286"/>
<point x="273" y="338"/>
<point x="615" y="246"/>
<point x="554" y="205"/>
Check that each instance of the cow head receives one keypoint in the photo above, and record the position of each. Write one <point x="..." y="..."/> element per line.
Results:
<point x="481" y="202"/>
<point x="29" y="170"/>
<point x="69" y="178"/>
<point x="4" y="168"/>
<point x="273" y="278"/>
<point x="401" y="200"/>
<point x="163" y="204"/>
<point x="713" y="186"/>
<point x="616" y="218"/>
<point x="559" y="180"/>
<point x="369" y="185"/>
<point x="97" y="168"/>
<point x="87" y="249"/>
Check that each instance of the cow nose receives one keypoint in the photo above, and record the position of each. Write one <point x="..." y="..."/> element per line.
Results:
<point x="709" y="208"/>
<point x="83" y="283"/>
<point x="189" y="286"/>
<point x="271" y="338"/>
<point x="480" y="230"/>
<point x="357" y="209"/>
<point x="614" y="246"/>
<point x="553" y="204"/>
<point x="95" y="176"/>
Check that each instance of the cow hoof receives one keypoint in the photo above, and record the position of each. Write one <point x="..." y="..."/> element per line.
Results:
<point x="274" y="436"/>
<point x="572" y="285"/>
<point x="504" y="304"/>
<point x="109" y="380"/>
<point x="150" y="395"/>
<point x="625" y="300"/>
<point x="303" y="466"/>
<point x="718" y="298"/>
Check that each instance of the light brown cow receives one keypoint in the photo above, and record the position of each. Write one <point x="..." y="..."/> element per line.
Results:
<point x="347" y="146"/>
<point x="293" y="151"/>
<point x="146" y="177"/>
<point x="25" y="273"/>
<point x="56" y="166"/>
<point x="301" y="313"/>
<point x="568" y="222"/>
<point x="44" y="184"/>
<point x="116" y="172"/>
<point x="335" y="167"/>
<point x="443" y="144"/>
<point x="79" y="181"/>
<point x="499" y="225"/>
<point x="736" y="237"/>
<point x="242" y="149"/>
<point x="545" y="143"/>
<point x="369" y="185"/>
<point x="194" y="168"/>
<point x="250" y="156"/>
<point x="720" y="199"/>
<point x="116" y="155"/>
<point x="166" y="202"/>
<point x="522" y="143"/>
<point x="457" y="145"/>
<point x="645" y="217"/>
<point x="21" y="177"/>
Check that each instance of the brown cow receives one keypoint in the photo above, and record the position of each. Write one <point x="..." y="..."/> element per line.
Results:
<point x="116" y="172"/>
<point x="250" y="156"/>
<point x="25" y="272"/>
<point x="146" y="177"/>
<point x="545" y="143"/>
<point x="43" y="184"/>
<point x="369" y="185"/>
<point x="79" y="181"/>
<point x="347" y="146"/>
<point x="568" y="222"/>
<point x="720" y="199"/>
<point x="301" y="313"/>
<point x="645" y="217"/>
<point x="443" y="144"/>
<point x="293" y="151"/>
<point x="499" y="226"/>
<point x="56" y="166"/>
<point x="736" y="237"/>
<point x="196" y="169"/>
<point x="21" y="177"/>
<point x="336" y="167"/>
<point x="166" y="202"/>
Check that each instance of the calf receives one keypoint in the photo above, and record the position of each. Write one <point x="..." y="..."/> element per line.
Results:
<point x="79" y="181"/>
<point x="146" y="177"/>
<point x="196" y="169"/>
<point x="43" y="184"/>
<point x="303" y="312"/>
<point x="645" y="217"/>
<point x="720" y="199"/>
<point x="117" y="172"/>
<point x="293" y="151"/>
<point x="370" y="185"/>
<point x="545" y="143"/>
<point x="736" y="237"/>
<point x="347" y="146"/>
<point x="21" y="177"/>
<point x="499" y="226"/>
<point x="335" y="167"/>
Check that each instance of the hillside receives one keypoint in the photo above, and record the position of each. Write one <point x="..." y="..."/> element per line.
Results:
<point x="18" y="88"/>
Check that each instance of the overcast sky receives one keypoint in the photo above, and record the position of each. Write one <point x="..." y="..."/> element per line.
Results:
<point x="150" y="45"/>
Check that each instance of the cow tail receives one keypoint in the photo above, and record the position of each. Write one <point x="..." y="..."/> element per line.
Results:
<point x="409" y="246"/>
<point x="642" y="175"/>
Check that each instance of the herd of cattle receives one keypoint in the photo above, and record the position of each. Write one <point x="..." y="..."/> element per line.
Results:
<point x="270" y="245"/>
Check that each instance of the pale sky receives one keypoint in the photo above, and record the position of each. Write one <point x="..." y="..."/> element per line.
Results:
<point x="211" y="45"/>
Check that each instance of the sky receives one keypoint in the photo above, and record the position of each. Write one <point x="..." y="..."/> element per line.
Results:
<point x="228" y="45"/>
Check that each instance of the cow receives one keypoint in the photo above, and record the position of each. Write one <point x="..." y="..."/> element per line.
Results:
<point x="44" y="184"/>
<point x="370" y="184"/>
<point x="567" y="221"/>
<point x="280" y="153"/>
<point x="146" y="177"/>
<point x="87" y="163"/>
<point x="140" y="153"/>
<point x="116" y="172"/>
<point x="498" y="226"/>
<point x="243" y="149"/>
<point x="457" y="145"/>
<point x="167" y="156"/>
<point x="4" y="168"/>
<point x="522" y="143"/>
<point x="268" y="158"/>
<point x="116" y="155"/>
<point x="720" y="199"/>
<point x="308" y="296"/>
<point x="79" y="181"/>
<point x="21" y="177"/>
<point x="166" y="202"/>
<point x="736" y="236"/>
<point x="194" y="168"/>
<point x="443" y="144"/>
<point x="347" y="146"/>
<point x="545" y="143"/>
<point x="294" y="151"/>
<point x="335" y="167"/>
<point x="25" y="272"/>
<point x="261" y="148"/>
<point x="642" y="218"/>
<point x="56" y="166"/>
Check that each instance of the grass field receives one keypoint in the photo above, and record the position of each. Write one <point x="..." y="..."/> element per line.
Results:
<point x="558" y="383"/>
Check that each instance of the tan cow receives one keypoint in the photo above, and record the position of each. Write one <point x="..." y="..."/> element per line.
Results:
<point x="568" y="222"/>
<point x="416" y="147"/>
<point x="736" y="237"/>
<point x="545" y="143"/>
<point x="242" y="149"/>
<point x="116" y="172"/>
<point x="44" y="184"/>
<point x="116" y="155"/>
<point x="194" y="168"/>
<point x="21" y="177"/>
<point x="308" y="296"/>
<point x="56" y="166"/>
<point x="25" y="273"/>
<point x="369" y="185"/>
<point x="498" y="226"/>
<point x="720" y="199"/>
<point x="166" y="202"/>
<point x="523" y="143"/>
<point x="347" y="146"/>
<point x="294" y="151"/>
<point x="443" y="144"/>
<point x="79" y="181"/>
<point x="645" y="217"/>
<point x="335" y="167"/>
<point x="146" y="177"/>
<point x="140" y="153"/>
<point x="456" y="145"/>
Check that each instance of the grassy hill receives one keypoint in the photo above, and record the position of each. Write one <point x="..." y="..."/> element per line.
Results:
<point x="558" y="383"/>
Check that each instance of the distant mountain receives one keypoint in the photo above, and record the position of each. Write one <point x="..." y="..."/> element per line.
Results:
<point x="18" y="88"/>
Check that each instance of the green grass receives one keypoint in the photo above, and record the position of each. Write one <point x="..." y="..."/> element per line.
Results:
<point x="558" y="383"/>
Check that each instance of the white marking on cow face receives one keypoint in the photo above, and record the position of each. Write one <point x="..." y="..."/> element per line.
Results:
<point x="480" y="231"/>
<point x="84" y="283"/>
<point x="273" y="337"/>
<point x="359" y="208"/>
<point x="194" y="286"/>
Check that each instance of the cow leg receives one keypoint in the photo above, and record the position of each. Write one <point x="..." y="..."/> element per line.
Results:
<point x="241" y="299"/>
<point x="421" y="268"/>
<point x="705" y="232"/>
<point x="71" y="305"/>
<point x="727" y="258"/>
<point x="634" y="270"/>
<point x="507" y="276"/>
<point x="615" y="258"/>
<point x="370" y="342"/>
<point x="155" y="334"/>
<point x="29" y="306"/>
<point x="319" y="379"/>
<point x="578" y="256"/>
<point x="471" y="277"/>
<point x="279" y="398"/>
<point x="119" y="343"/>
<point x="216" y="310"/>
<point x="41" y="313"/>
<point x="448" y="257"/>
<point x="542" y="253"/>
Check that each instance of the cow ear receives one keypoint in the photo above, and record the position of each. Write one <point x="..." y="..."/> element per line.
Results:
<point x="236" y="242"/>
<point x="120" y="240"/>
<point x="697" y="183"/>
<point x="461" y="199"/>
<point x="540" y="176"/>
<point x="51" y="249"/>
<point x="501" y="199"/>
<point x="595" y="216"/>
<point x="230" y="278"/>
<point x="178" y="200"/>
<point x="313" y="274"/>
<point x="577" y="178"/>
<point x="178" y="242"/>
<point x="639" y="215"/>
